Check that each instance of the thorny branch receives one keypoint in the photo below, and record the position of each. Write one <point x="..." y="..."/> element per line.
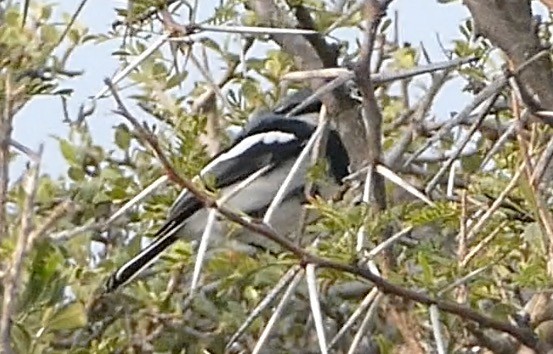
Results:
<point x="147" y="138"/>
<point x="524" y="335"/>
<point x="374" y="11"/>
<point x="462" y="117"/>
<point x="372" y="116"/>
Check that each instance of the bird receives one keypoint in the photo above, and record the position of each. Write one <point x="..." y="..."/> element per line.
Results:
<point x="269" y="141"/>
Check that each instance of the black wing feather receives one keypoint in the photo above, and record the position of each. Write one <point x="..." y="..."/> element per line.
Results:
<point x="224" y="173"/>
<point x="231" y="170"/>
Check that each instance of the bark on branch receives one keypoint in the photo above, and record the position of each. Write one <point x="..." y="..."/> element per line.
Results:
<point x="509" y="25"/>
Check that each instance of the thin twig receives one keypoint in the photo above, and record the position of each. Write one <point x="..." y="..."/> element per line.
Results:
<point x="202" y="249"/>
<point x="296" y="167"/>
<point x="158" y="183"/>
<point x="493" y="88"/>
<point x="365" y="198"/>
<point x="499" y="143"/>
<point x="311" y="279"/>
<point x="133" y="64"/>
<point x="388" y="242"/>
<point x="318" y="93"/>
<point x="364" y="305"/>
<point x="24" y="149"/>
<point x="474" y="251"/>
<point x="248" y="30"/>
<point x="461" y="144"/>
<point x="364" y="324"/>
<point x="278" y="311"/>
<point x="71" y="22"/>
<point x="451" y="178"/>
<point x="495" y="205"/>
<point x="463" y="280"/>
<point x="209" y="79"/>
<point x="437" y="330"/>
<point x="347" y="15"/>
<point x="393" y="177"/>
<point x="294" y="274"/>
<point x="63" y="236"/>
<point x="13" y="279"/>
<point x="377" y="78"/>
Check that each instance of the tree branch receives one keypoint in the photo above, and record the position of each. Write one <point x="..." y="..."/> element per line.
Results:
<point x="5" y="135"/>
<point x="13" y="278"/>
<point x="327" y="53"/>
<point x="523" y="335"/>
<point x="509" y="25"/>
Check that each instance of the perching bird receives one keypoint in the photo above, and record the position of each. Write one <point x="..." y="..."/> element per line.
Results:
<point x="270" y="141"/>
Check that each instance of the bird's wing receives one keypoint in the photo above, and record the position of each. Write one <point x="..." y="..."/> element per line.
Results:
<point x="245" y="157"/>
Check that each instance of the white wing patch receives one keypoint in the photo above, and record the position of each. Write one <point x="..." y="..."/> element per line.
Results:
<point x="240" y="148"/>
<point x="265" y="138"/>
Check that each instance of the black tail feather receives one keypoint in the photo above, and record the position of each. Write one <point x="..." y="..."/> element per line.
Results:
<point x="165" y="237"/>
<point x="132" y="268"/>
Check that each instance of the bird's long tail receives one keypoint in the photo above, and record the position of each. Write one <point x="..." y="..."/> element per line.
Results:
<point x="130" y="270"/>
<point x="164" y="237"/>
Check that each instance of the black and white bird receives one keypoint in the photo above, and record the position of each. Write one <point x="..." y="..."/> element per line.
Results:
<point x="270" y="142"/>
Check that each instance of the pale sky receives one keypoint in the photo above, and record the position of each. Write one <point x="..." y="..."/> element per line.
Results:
<point x="420" y="22"/>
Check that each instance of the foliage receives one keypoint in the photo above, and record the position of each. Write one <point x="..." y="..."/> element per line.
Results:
<point x="56" y="310"/>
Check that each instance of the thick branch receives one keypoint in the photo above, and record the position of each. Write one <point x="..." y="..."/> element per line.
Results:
<point x="371" y="112"/>
<point x="508" y="24"/>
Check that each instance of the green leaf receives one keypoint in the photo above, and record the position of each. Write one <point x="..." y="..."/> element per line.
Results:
<point x="42" y="271"/>
<point x="74" y="36"/>
<point x="11" y="18"/>
<point x="45" y="12"/>
<point x="117" y="193"/>
<point x="46" y="190"/>
<point x="534" y="237"/>
<point x="385" y="24"/>
<point x="110" y="173"/>
<point x="101" y="197"/>
<point x="122" y="137"/>
<point x="471" y="164"/>
<point x="427" y="273"/>
<point x="159" y="70"/>
<point x="176" y="79"/>
<point x="63" y="92"/>
<point x="404" y="58"/>
<point x="68" y="151"/>
<point x="528" y="193"/>
<point x="211" y="44"/>
<point x="75" y="173"/>
<point x="69" y="317"/>
<point x="49" y="34"/>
